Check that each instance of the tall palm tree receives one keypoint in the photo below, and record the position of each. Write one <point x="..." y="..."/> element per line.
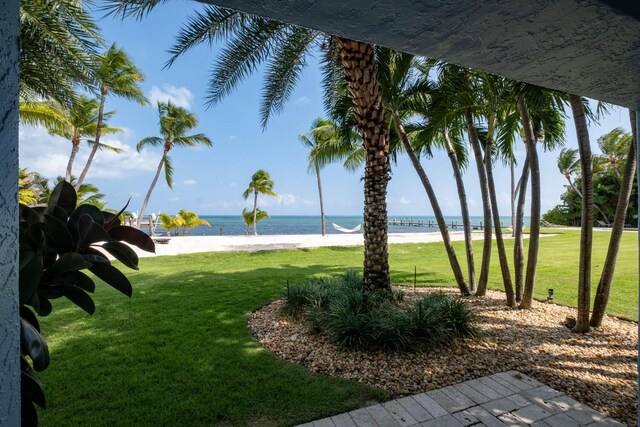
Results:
<point x="261" y="183"/>
<point x="403" y="93"/>
<point x="604" y="286"/>
<point x="56" y="49"/>
<point x="460" y="85"/>
<point x="190" y="220"/>
<point x="116" y="75"/>
<point x="441" y="127"/>
<point x="586" y="227"/>
<point x="251" y="41"/>
<point x="77" y="123"/>
<point x="323" y="132"/>
<point x="174" y="122"/>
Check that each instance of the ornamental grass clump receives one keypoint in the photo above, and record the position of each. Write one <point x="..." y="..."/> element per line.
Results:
<point x="338" y="308"/>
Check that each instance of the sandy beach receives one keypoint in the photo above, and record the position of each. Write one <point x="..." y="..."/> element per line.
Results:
<point x="195" y="244"/>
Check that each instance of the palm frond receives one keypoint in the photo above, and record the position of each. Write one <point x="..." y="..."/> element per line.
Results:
<point x="105" y="147"/>
<point x="168" y="171"/>
<point x="152" y="141"/>
<point x="283" y="70"/>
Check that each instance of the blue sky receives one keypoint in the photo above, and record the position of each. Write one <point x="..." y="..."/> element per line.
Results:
<point x="211" y="181"/>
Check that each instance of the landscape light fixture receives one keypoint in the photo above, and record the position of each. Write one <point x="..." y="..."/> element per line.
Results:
<point x="549" y="295"/>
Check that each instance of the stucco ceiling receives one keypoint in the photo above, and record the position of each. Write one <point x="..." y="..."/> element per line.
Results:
<point x="589" y="47"/>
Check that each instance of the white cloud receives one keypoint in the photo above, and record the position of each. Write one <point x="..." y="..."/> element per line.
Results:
<point x="180" y="96"/>
<point x="189" y="182"/>
<point x="232" y="137"/>
<point x="303" y="100"/>
<point x="48" y="155"/>
<point x="282" y="199"/>
<point x="404" y="201"/>
<point x="174" y="199"/>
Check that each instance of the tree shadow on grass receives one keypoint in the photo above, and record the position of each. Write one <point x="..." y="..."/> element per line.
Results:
<point x="179" y="353"/>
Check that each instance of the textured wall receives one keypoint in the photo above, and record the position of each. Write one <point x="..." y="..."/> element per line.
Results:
<point x="9" y="323"/>
<point x="578" y="46"/>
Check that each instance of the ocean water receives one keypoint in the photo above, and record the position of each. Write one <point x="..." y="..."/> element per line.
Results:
<point x="232" y="225"/>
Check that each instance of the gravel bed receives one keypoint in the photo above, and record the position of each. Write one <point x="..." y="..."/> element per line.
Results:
<point x="598" y="368"/>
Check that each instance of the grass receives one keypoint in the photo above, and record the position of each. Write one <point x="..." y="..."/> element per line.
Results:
<point x="179" y="353"/>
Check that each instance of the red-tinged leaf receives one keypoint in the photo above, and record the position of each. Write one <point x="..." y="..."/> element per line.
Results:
<point x="62" y="239"/>
<point x="134" y="237"/>
<point x="67" y="263"/>
<point x="113" y="277"/>
<point x="29" y="316"/>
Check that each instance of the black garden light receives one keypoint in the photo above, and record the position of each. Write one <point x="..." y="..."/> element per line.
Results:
<point x="549" y="295"/>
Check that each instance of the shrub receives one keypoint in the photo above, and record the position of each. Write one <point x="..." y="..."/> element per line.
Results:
<point x="337" y="306"/>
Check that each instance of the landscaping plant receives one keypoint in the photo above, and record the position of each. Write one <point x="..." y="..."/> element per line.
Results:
<point x="338" y="307"/>
<point x="57" y="243"/>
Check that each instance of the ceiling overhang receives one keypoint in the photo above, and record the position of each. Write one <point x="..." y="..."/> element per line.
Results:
<point x="588" y="47"/>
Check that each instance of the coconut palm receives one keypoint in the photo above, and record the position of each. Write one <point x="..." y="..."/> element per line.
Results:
<point x="77" y="123"/>
<point x="322" y="131"/>
<point x="56" y="49"/>
<point x="404" y="91"/>
<point x="261" y="183"/>
<point x="251" y="41"/>
<point x="586" y="227"/>
<point x="250" y="217"/>
<point x="174" y="122"/>
<point x="614" y="147"/>
<point x="118" y="76"/>
<point x="569" y="165"/>
<point x="190" y="220"/>
<point x="604" y="286"/>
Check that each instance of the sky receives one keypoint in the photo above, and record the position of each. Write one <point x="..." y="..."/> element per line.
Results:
<point x="210" y="181"/>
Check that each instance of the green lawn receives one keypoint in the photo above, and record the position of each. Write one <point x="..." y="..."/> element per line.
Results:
<point x="179" y="353"/>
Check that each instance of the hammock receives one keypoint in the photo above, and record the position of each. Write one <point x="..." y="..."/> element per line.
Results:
<point x="346" y="230"/>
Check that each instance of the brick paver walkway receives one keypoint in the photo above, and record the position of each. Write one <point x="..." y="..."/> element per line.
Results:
<point x="508" y="398"/>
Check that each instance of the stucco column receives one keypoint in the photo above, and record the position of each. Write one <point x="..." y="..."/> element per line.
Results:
<point x="9" y="320"/>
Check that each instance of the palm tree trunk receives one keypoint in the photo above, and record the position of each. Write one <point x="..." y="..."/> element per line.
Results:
<point x="433" y="199"/>
<point x="586" y="226"/>
<point x="534" y="227"/>
<point x="255" y="212"/>
<point x="513" y="198"/>
<point x="103" y="97"/>
<point x="486" y="204"/>
<point x="604" y="286"/>
<point x="153" y="184"/>
<point x="324" y="230"/>
<point x="75" y="146"/>
<point x="502" y="253"/>
<point x="518" y="244"/>
<point x="464" y="210"/>
<point x="361" y="75"/>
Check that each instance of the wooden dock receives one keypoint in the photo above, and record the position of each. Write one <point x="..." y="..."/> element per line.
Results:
<point x="432" y="223"/>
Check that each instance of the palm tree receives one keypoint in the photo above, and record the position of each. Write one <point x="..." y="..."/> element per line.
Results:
<point x="175" y="122"/>
<point x="251" y="41"/>
<point x="604" y="286"/>
<point x="261" y="183"/>
<point x="403" y="92"/>
<point x="190" y="220"/>
<point x="252" y="217"/>
<point x="78" y="122"/>
<point x="586" y="228"/>
<point x="569" y="165"/>
<point x="116" y="75"/>
<point x="56" y="49"/>
<point x="168" y="223"/>
<point x="614" y="146"/>
<point x="322" y="132"/>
